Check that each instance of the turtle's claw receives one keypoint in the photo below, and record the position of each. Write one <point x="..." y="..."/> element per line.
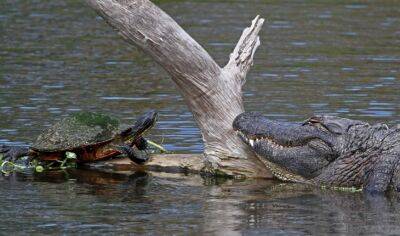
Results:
<point x="12" y="153"/>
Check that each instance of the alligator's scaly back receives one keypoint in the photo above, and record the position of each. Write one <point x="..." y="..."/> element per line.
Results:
<point x="368" y="159"/>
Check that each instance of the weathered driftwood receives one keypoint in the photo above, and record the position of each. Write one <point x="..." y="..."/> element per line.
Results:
<point x="213" y="94"/>
<point x="171" y="163"/>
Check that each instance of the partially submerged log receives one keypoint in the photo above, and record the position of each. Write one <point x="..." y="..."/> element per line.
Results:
<point x="213" y="94"/>
<point x="171" y="163"/>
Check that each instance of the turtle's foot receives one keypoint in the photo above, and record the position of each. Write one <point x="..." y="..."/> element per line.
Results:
<point x="13" y="153"/>
<point x="137" y="156"/>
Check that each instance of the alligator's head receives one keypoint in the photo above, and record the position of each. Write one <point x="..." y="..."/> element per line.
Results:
<point x="295" y="151"/>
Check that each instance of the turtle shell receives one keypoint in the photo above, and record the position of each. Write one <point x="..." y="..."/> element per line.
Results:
<point x="78" y="130"/>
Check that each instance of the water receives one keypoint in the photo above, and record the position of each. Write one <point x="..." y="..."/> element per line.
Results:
<point x="58" y="57"/>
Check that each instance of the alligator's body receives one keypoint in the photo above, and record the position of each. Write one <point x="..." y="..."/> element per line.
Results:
<point x="326" y="150"/>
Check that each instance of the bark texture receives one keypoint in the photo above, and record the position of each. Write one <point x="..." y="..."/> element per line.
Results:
<point x="169" y="163"/>
<point x="213" y="94"/>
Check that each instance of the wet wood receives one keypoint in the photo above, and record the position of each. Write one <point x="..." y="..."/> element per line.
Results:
<point x="170" y="163"/>
<point x="212" y="93"/>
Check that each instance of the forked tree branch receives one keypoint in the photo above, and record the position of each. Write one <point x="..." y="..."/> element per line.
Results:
<point x="241" y="59"/>
<point x="213" y="94"/>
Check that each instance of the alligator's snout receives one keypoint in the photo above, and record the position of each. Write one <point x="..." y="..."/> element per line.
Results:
<point x="254" y="127"/>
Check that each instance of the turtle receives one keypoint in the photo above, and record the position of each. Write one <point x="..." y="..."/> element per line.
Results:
<point x="91" y="136"/>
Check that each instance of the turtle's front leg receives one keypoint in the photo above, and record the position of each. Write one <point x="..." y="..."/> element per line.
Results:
<point x="13" y="153"/>
<point x="140" y="143"/>
<point x="137" y="156"/>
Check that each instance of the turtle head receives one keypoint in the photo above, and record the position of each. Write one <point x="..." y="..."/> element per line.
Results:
<point x="142" y="124"/>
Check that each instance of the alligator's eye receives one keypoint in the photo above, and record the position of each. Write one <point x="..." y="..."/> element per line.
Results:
<point x="330" y="127"/>
<point x="317" y="124"/>
<point x="321" y="127"/>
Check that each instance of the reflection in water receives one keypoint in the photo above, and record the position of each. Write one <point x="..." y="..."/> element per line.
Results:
<point x="97" y="202"/>
<point x="297" y="209"/>
<point x="97" y="181"/>
<point x="58" y="57"/>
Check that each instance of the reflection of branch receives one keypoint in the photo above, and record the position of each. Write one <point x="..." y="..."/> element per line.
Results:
<point x="214" y="95"/>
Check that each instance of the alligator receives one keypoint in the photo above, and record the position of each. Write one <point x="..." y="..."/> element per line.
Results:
<point x="326" y="151"/>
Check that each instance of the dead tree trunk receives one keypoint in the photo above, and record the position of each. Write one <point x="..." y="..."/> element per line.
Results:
<point x="213" y="94"/>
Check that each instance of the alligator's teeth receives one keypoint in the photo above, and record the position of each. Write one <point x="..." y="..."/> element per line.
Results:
<point x="251" y="141"/>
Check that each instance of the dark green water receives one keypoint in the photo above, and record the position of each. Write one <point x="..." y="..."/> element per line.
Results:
<point x="58" y="57"/>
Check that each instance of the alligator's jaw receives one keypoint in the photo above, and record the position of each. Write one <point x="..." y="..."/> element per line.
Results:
<point x="278" y="171"/>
